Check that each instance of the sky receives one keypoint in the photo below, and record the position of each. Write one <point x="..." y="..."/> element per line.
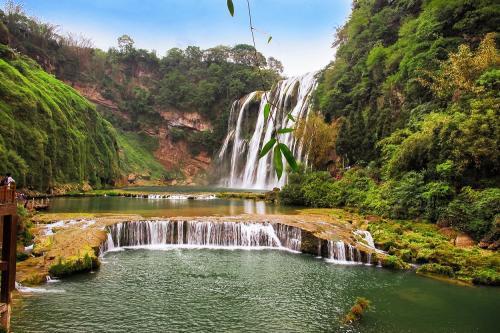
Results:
<point x="302" y="30"/>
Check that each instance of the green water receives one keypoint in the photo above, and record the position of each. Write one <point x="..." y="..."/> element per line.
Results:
<point x="249" y="291"/>
<point x="165" y="207"/>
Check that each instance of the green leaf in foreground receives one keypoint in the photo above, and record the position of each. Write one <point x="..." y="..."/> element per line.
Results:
<point x="269" y="39"/>
<point x="289" y="116"/>
<point x="278" y="162"/>
<point x="230" y="7"/>
<point x="267" y="147"/>
<point x="285" y="130"/>
<point x="289" y="156"/>
<point x="267" y="111"/>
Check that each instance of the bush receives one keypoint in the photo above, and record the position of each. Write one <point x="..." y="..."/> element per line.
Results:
<point x="71" y="265"/>
<point x="357" y="310"/>
<point x="475" y="212"/>
<point x="436" y="269"/>
<point x="394" y="262"/>
<point x="487" y="277"/>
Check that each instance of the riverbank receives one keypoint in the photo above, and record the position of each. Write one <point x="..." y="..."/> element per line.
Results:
<point x="187" y="192"/>
<point x="443" y="254"/>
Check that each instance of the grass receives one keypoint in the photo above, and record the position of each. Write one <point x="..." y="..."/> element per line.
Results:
<point x="422" y="244"/>
<point x="49" y="134"/>
<point x="136" y="155"/>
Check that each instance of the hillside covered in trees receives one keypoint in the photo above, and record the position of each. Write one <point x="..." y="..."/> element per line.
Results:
<point x="177" y="103"/>
<point x="411" y="115"/>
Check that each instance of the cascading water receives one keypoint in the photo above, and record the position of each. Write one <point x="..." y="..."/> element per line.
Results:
<point x="202" y="234"/>
<point x="343" y="253"/>
<point x="248" y="133"/>
<point x="219" y="234"/>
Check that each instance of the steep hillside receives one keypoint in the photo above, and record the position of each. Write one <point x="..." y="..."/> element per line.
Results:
<point x="412" y="99"/>
<point x="49" y="134"/>
<point x="133" y="87"/>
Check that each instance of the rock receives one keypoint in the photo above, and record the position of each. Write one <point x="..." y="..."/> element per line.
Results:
<point x="131" y="178"/>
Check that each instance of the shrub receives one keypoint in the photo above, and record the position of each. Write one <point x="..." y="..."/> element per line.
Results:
<point x="487" y="277"/>
<point x="357" y="310"/>
<point x="83" y="263"/>
<point x="394" y="262"/>
<point x="475" y="212"/>
<point x="436" y="269"/>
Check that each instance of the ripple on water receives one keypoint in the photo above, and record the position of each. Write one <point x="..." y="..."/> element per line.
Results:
<point x="195" y="290"/>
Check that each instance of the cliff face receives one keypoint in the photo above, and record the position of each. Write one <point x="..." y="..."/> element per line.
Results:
<point x="175" y="152"/>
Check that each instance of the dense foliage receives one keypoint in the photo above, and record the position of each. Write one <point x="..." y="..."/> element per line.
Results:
<point x="414" y="94"/>
<point x="49" y="134"/>
<point x="137" y="83"/>
<point x="421" y="243"/>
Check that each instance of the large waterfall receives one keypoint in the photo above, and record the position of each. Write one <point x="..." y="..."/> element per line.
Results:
<point x="240" y="166"/>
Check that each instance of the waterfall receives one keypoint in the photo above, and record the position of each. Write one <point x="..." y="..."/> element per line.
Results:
<point x="248" y="132"/>
<point x="226" y="235"/>
<point x="201" y="234"/>
<point x="343" y="253"/>
<point x="367" y="236"/>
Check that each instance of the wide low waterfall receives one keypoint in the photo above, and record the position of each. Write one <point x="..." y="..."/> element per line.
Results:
<point x="240" y="166"/>
<point x="202" y="234"/>
<point x="220" y="234"/>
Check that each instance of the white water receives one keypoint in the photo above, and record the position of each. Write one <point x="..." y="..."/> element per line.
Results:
<point x="240" y="150"/>
<point x="343" y="253"/>
<point x="166" y="235"/>
<point x="367" y="236"/>
<point x="30" y="290"/>
<point x="204" y="234"/>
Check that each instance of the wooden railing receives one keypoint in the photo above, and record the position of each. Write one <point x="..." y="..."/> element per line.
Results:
<point x="8" y="194"/>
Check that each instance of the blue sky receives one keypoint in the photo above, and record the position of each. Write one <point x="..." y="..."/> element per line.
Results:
<point x="302" y="30"/>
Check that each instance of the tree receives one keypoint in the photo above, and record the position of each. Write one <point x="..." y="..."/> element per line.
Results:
<point x="275" y="65"/>
<point x="125" y="43"/>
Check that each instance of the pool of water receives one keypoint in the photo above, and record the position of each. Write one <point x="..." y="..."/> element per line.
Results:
<point x="165" y="207"/>
<point x="200" y="290"/>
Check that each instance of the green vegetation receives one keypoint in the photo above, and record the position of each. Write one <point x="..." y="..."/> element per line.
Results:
<point x="361" y="305"/>
<point x="136" y="155"/>
<point x="412" y="101"/>
<point x="85" y="261"/>
<point x="422" y="243"/>
<point x="139" y="84"/>
<point x="49" y="134"/>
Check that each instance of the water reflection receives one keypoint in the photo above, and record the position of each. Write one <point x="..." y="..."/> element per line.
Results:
<point x="166" y="207"/>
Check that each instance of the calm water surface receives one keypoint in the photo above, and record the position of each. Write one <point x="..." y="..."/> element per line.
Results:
<point x="184" y="290"/>
<point x="165" y="207"/>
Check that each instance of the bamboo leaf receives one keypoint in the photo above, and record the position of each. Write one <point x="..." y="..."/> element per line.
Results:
<point x="267" y="111"/>
<point x="288" y="156"/>
<point x="230" y="7"/>
<point x="269" y="39"/>
<point x="278" y="162"/>
<point x="285" y="130"/>
<point x="290" y="117"/>
<point x="267" y="147"/>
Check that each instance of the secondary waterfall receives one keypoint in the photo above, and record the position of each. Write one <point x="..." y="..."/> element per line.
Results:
<point x="202" y="234"/>
<point x="344" y="253"/>
<point x="230" y="235"/>
<point x="248" y="133"/>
